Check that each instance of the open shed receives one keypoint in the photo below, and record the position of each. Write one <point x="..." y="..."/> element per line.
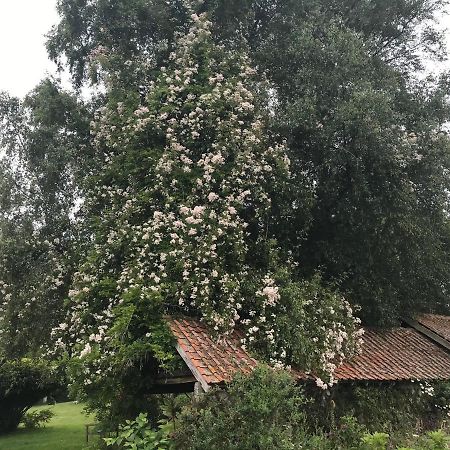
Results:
<point x="420" y="350"/>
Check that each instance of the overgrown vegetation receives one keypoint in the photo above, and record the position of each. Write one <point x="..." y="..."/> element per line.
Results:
<point x="267" y="410"/>
<point x="278" y="166"/>
<point x="138" y="434"/>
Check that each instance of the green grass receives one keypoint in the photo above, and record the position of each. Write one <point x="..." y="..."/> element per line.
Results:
<point x="66" y="431"/>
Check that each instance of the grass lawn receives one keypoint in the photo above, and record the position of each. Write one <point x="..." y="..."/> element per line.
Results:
<point x="65" y="431"/>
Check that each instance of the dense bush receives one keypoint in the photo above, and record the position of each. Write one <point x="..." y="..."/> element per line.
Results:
<point x="434" y="440"/>
<point x="37" y="419"/>
<point x="267" y="410"/>
<point x="393" y="408"/>
<point x="22" y="383"/>
<point x="259" y="411"/>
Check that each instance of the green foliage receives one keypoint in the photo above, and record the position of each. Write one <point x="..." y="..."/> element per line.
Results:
<point x="347" y="434"/>
<point x="375" y="441"/>
<point x="435" y="440"/>
<point x="139" y="435"/>
<point x="266" y="410"/>
<point x="390" y="407"/>
<point x="44" y="138"/>
<point x="365" y="134"/>
<point x="37" y="419"/>
<point x="260" y="410"/>
<point x="373" y="158"/>
<point x="22" y="383"/>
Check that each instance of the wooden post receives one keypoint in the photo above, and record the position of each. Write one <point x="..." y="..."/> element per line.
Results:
<point x="198" y="390"/>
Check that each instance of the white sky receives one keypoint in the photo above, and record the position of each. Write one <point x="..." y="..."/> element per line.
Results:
<point x="24" y="62"/>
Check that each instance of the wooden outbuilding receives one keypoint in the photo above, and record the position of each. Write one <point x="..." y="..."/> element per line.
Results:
<point x="419" y="350"/>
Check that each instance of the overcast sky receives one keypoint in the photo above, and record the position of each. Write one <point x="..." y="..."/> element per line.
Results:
<point x="23" y="24"/>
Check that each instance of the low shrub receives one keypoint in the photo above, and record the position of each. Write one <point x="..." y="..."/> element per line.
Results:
<point x="138" y="434"/>
<point x="375" y="441"/>
<point x="435" y="440"/>
<point x="37" y="419"/>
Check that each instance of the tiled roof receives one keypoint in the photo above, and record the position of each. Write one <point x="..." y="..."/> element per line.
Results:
<point x="438" y="324"/>
<point x="211" y="362"/>
<point x="387" y="355"/>
<point x="397" y="354"/>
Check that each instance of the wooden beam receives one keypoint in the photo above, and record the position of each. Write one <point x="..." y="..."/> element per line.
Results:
<point x="193" y="369"/>
<point x="176" y="380"/>
<point x="428" y="333"/>
<point x="171" y="388"/>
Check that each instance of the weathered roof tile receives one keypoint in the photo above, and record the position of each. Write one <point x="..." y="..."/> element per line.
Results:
<point x="387" y="354"/>
<point x="436" y="323"/>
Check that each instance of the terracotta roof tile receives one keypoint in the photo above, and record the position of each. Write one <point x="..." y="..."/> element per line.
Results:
<point x="387" y="355"/>
<point x="397" y="354"/>
<point x="436" y="323"/>
<point x="215" y="362"/>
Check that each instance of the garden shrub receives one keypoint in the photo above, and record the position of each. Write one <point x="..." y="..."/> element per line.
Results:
<point x="22" y="383"/>
<point x="138" y="434"/>
<point x="394" y="408"/>
<point x="375" y="441"/>
<point x="347" y="435"/>
<point x="37" y="419"/>
<point x="263" y="410"/>
<point x="267" y="410"/>
<point x="435" y="440"/>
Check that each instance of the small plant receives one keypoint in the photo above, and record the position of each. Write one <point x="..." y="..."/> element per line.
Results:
<point x="37" y="419"/>
<point x="375" y="441"/>
<point x="138" y="435"/>
<point x="348" y="433"/>
<point x="436" y="440"/>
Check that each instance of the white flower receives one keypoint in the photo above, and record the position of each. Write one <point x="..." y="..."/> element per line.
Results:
<point x="87" y="349"/>
<point x="271" y="292"/>
<point x="198" y="211"/>
<point x="218" y="159"/>
<point x="212" y="197"/>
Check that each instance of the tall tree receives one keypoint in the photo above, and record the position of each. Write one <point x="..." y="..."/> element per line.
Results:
<point x="43" y="138"/>
<point x="360" y="125"/>
<point x="179" y="216"/>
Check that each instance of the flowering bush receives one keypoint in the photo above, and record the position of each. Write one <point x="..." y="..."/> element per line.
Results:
<point x="181" y="223"/>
